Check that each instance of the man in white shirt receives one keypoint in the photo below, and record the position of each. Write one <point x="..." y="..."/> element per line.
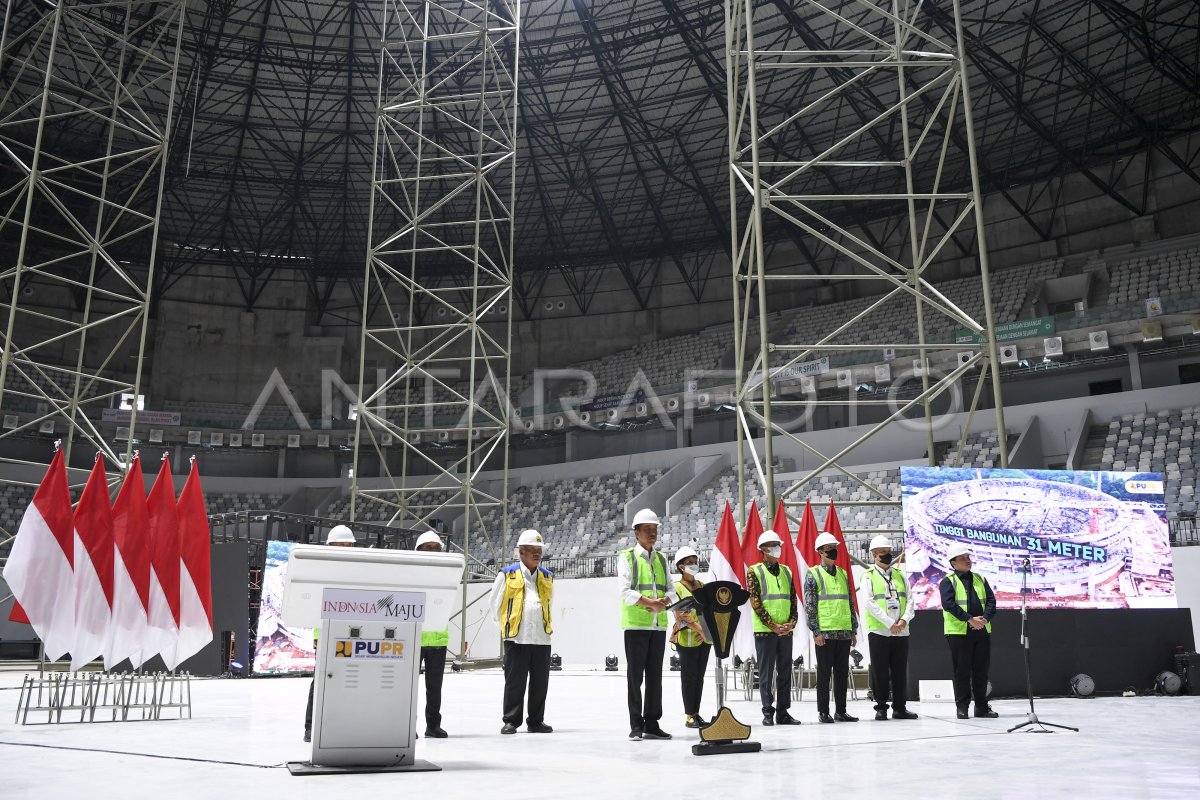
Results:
<point x="521" y="598"/>
<point x="889" y="612"/>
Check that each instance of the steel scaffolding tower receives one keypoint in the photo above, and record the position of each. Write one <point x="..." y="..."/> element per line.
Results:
<point x="86" y="104"/>
<point x="436" y="310"/>
<point x="867" y="153"/>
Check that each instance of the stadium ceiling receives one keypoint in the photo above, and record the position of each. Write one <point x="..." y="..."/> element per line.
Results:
<point x="622" y="160"/>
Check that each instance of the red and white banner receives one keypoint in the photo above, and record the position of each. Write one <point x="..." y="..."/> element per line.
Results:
<point x="131" y="572"/>
<point x="195" y="584"/>
<point x="787" y="557"/>
<point x="165" y="565"/>
<point x="726" y="564"/>
<point x="93" y="569"/>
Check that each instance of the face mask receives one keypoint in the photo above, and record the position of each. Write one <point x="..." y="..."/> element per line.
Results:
<point x="885" y="559"/>
<point x="832" y="554"/>
<point x="692" y="569"/>
<point x="774" y="552"/>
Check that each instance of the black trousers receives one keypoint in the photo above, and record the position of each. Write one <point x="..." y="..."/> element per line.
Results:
<point x="971" y="655"/>
<point x="693" y="663"/>
<point x="434" y="659"/>
<point x="644" y="659"/>
<point x="889" y="670"/>
<point x="525" y="664"/>
<point x="312" y="686"/>
<point x="774" y="655"/>
<point x="833" y="660"/>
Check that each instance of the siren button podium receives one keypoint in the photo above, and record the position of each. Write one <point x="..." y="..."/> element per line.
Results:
<point x="371" y="606"/>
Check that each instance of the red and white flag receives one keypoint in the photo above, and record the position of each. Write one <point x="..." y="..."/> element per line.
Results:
<point x="787" y="557"/>
<point x="93" y="569"/>
<point x="195" y="583"/>
<point x="806" y="540"/>
<point x="131" y="572"/>
<point x="751" y="555"/>
<point x="165" y="565"/>
<point x="38" y="570"/>
<point x="726" y="564"/>
<point x="833" y="526"/>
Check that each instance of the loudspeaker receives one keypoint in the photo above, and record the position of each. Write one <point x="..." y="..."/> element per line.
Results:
<point x="1053" y="346"/>
<point x="844" y="378"/>
<point x="1098" y="340"/>
<point x="1008" y="354"/>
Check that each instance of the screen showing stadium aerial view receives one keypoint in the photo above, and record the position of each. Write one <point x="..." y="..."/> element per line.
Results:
<point x="279" y="650"/>
<point x="1093" y="539"/>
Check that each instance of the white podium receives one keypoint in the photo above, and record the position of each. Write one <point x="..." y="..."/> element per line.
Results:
<point x="371" y="606"/>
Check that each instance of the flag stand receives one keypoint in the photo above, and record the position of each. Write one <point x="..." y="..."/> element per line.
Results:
<point x="72" y="697"/>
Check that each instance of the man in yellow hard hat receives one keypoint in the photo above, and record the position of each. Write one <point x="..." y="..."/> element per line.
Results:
<point x="433" y="654"/>
<point x="888" y="613"/>
<point x="338" y="536"/>
<point x="773" y="601"/>
<point x="520" y="601"/>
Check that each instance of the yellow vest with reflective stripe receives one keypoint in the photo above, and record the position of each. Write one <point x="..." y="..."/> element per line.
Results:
<point x="435" y="638"/>
<point x="686" y="636"/>
<point x="833" y="599"/>
<point x="952" y="625"/>
<point x="512" y="604"/>
<point x="879" y="593"/>
<point x="648" y="581"/>
<point x="775" y="594"/>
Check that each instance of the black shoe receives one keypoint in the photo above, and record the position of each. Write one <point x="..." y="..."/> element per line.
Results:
<point x="308" y="736"/>
<point x="635" y="735"/>
<point x="962" y="714"/>
<point x="880" y="716"/>
<point x="695" y="721"/>
<point x="768" y="719"/>
<point x="508" y="728"/>
<point x="436" y="733"/>
<point x="655" y="732"/>
<point x="539" y="727"/>
<point x="786" y="719"/>
<point x="842" y="716"/>
<point x="903" y="714"/>
<point x="824" y="717"/>
<point x="987" y="713"/>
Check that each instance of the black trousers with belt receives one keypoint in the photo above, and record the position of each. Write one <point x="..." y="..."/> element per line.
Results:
<point x="525" y="664"/>
<point x="644" y="661"/>
<point x="833" y="661"/>
<point x="889" y="671"/>
<point x="971" y="655"/>
<point x="434" y="660"/>
<point x="693" y="663"/>
<point x="774" y="655"/>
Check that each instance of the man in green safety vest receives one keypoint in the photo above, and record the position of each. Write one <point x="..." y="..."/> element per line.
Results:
<point x="643" y="578"/>
<point x="833" y="622"/>
<point x="888" y="614"/>
<point x="968" y="605"/>
<point x="338" y="536"/>
<point x="433" y="654"/>
<point x="773" y="601"/>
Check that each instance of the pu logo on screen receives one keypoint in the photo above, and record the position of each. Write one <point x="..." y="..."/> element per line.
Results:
<point x="368" y="648"/>
<point x="1144" y="487"/>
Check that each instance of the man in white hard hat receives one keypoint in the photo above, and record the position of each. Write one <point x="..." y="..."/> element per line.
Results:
<point x="968" y="605"/>
<point x="834" y="623"/>
<point x="643" y="579"/>
<point x="888" y="614"/>
<point x="521" y="598"/>
<point x="433" y="654"/>
<point x="773" y="601"/>
<point x="688" y="637"/>
<point x="338" y="536"/>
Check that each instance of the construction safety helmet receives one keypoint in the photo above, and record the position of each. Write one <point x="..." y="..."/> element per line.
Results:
<point x="530" y="538"/>
<point x="824" y="539"/>
<point x="340" y="534"/>
<point x="429" y="537"/>
<point x="645" y="517"/>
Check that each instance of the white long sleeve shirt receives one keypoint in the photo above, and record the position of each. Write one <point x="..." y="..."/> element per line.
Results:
<point x="888" y="616"/>
<point x="531" y="631"/>
<point x="629" y="595"/>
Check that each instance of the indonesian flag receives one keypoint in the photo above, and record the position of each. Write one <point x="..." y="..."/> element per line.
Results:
<point x="165" y="565"/>
<point x="93" y="569"/>
<point x="38" y="570"/>
<point x="751" y="555"/>
<point x="788" y="558"/>
<point x="195" y="585"/>
<point x="17" y="614"/>
<point x="806" y="539"/>
<point x="833" y="526"/>
<point x="726" y="564"/>
<point x="131" y="572"/>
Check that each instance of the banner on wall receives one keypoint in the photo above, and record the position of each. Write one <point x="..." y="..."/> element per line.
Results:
<point x="278" y="649"/>
<point x="1092" y="539"/>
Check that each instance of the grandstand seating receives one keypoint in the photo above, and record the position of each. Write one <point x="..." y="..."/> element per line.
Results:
<point x="1136" y="279"/>
<point x="1157" y="442"/>
<point x="253" y="501"/>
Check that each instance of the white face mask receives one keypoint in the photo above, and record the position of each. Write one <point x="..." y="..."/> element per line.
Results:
<point x="692" y="569"/>
<point x="773" y="552"/>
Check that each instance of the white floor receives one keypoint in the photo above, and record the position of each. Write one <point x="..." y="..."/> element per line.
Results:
<point x="1137" y="747"/>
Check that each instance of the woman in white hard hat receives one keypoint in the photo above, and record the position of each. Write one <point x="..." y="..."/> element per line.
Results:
<point x="888" y="614"/>
<point x="338" y="536"/>
<point x="688" y="637"/>
<point x="521" y="598"/>
<point x="834" y="625"/>
<point x="433" y="654"/>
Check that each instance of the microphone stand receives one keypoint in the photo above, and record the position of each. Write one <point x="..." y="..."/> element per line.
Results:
<point x="1031" y="717"/>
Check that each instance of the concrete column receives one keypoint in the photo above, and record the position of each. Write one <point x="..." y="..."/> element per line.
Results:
<point x="1135" y="368"/>
<point x="281" y="466"/>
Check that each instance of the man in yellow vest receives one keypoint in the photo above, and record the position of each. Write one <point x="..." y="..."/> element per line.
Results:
<point x="834" y="624"/>
<point x="644" y="583"/>
<point x="688" y="637"/>
<point x="968" y="605"/>
<point x="888" y="613"/>
<point x="433" y="654"/>
<point x="773" y="601"/>
<point x="338" y="536"/>
<point x="521" y="598"/>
